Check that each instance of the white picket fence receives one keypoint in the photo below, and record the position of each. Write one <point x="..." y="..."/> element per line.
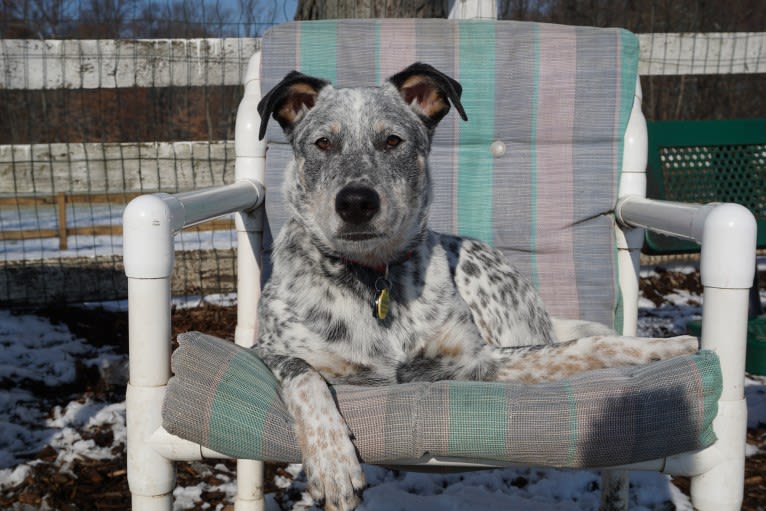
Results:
<point x="92" y="64"/>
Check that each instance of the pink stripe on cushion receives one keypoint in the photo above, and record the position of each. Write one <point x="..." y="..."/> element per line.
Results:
<point x="555" y="121"/>
<point x="397" y="46"/>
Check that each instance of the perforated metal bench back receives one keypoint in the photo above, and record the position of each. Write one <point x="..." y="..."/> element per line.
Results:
<point x="707" y="161"/>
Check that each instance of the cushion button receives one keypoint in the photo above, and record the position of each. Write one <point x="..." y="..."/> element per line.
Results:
<point x="498" y="148"/>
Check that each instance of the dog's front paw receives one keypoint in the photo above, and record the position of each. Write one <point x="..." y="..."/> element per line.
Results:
<point x="333" y="472"/>
<point x="329" y="457"/>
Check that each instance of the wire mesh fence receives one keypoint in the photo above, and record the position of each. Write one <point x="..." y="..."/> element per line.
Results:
<point x="90" y="117"/>
<point x="88" y="124"/>
<point x="101" y="100"/>
<point x="703" y="76"/>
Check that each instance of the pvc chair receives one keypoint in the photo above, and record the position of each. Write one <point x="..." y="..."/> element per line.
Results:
<point x="552" y="128"/>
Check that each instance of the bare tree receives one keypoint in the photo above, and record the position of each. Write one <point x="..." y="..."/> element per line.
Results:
<point x="336" y="9"/>
<point x="36" y="18"/>
<point x="257" y="14"/>
<point x="104" y="19"/>
<point x="527" y="10"/>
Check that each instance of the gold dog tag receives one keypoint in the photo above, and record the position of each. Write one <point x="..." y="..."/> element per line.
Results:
<point x="382" y="301"/>
<point x="382" y="297"/>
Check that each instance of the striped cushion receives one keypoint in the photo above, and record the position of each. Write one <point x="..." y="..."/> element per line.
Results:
<point x="557" y="97"/>
<point x="223" y="397"/>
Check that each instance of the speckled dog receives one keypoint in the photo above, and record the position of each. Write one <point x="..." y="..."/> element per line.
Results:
<point x="363" y="292"/>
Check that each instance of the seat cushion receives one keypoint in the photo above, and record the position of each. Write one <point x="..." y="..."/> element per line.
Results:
<point x="223" y="397"/>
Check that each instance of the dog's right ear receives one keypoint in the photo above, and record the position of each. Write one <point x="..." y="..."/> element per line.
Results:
<point x="289" y="100"/>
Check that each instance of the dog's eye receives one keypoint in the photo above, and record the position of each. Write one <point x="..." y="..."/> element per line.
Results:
<point x="323" y="144"/>
<point x="393" y="141"/>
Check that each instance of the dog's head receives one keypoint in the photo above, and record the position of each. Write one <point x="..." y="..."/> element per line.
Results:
<point x="359" y="180"/>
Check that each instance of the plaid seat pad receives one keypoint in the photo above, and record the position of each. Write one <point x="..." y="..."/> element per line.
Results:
<point x="223" y="397"/>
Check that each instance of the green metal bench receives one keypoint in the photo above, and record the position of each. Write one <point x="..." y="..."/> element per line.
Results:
<point x="712" y="161"/>
<point x="706" y="161"/>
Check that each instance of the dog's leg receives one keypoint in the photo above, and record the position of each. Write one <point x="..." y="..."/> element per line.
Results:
<point x="534" y="364"/>
<point x="329" y="457"/>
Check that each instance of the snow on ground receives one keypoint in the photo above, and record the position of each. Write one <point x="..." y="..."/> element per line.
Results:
<point x="525" y="489"/>
<point x="35" y="354"/>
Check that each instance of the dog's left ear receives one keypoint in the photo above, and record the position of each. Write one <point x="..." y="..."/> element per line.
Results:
<point x="289" y="100"/>
<point x="429" y="92"/>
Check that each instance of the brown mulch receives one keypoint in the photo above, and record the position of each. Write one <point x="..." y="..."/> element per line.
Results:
<point x="102" y="485"/>
<point x="663" y="283"/>
<point x="755" y="472"/>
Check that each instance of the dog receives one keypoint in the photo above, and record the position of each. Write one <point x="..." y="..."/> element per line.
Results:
<point x="362" y="292"/>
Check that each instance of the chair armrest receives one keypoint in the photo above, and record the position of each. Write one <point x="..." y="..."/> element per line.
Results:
<point x="726" y="231"/>
<point x="727" y="235"/>
<point x="151" y="221"/>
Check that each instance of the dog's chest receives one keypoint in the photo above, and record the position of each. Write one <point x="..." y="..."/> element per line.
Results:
<point x="421" y="299"/>
<point x="343" y="335"/>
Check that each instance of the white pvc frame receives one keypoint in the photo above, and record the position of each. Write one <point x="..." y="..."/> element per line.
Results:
<point x="727" y="233"/>
<point x="150" y="222"/>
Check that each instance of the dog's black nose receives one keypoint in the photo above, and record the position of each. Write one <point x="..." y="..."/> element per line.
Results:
<point x="357" y="204"/>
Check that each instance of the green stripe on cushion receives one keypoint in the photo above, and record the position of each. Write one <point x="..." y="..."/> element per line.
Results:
<point x="318" y="46"/>
<point x="477" y="418"/>
<point x="378" y="43"/>
<point x="628" y="67"/>
<point x="573" y="429"/>
<point x="712" y="383"/>
<point x="476" y="48"/>
<point x="243" y="399"/>
<point x="628" y="73"/>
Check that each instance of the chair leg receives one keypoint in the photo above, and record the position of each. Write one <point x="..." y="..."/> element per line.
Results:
<point x="151" y="477"/>
<point x="249" y="486"/>
<point x="615" y="486"/>
<point x="722" y="487"/>
<point x="144" y="503"/>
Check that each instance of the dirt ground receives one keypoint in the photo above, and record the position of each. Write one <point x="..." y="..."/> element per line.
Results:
<point x="102" y="485"/>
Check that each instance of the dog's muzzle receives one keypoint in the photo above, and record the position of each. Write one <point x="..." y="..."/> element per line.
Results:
<point x="357" y="204"/>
